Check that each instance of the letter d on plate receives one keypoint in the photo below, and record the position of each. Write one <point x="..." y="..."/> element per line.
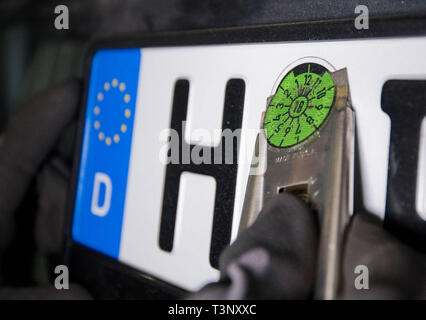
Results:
<point x="101" y="179"/>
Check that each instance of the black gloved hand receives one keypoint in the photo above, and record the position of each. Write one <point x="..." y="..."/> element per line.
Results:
<point x="25" y="152"/>
<point x="395" y="270"/>
<point x="276" y="259"/>
<point x="273" y="259"/>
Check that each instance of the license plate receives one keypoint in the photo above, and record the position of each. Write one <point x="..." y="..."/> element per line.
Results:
<point x="170" y="221"/>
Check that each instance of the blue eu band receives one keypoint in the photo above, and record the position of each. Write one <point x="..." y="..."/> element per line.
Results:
<point x="105" y="154"/>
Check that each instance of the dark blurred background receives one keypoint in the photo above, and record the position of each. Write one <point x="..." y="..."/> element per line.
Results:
<point x="34" y="55"/>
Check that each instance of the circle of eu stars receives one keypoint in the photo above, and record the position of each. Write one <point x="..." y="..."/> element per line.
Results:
<point x="113" y="137"/>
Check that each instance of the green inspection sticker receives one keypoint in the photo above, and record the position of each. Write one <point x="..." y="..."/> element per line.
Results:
<point x="300" y="105"/>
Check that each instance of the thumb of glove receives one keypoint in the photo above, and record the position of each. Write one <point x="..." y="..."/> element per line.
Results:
<point x="275" y="258"/>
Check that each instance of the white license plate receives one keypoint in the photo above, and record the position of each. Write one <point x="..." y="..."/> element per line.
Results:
<point x="120" y="202"/>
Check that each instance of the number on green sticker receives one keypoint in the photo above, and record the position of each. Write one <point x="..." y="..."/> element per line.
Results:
<point x="300" y="105"/>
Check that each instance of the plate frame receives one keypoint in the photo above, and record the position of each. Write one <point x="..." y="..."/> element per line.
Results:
<point x="106" y="277"/>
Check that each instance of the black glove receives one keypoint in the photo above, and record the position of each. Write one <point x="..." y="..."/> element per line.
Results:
<point x="276" y="259"/>
<point x="25" y="154"/>
<point x="395" y="270"/>
<point x="273" y="259"/>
